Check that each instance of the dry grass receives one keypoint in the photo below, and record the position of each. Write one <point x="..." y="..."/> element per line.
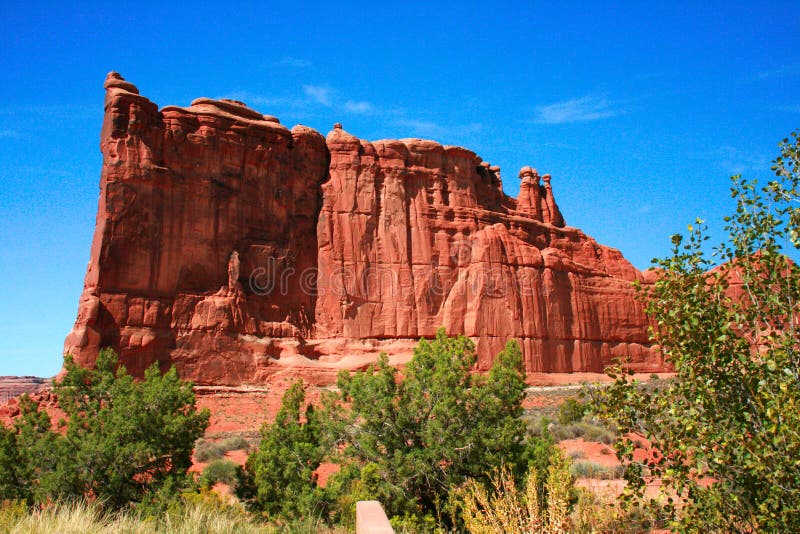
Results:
<point x="194" y="517"/>
<point x="207" y="450"/>
<point x="505" y="508"/>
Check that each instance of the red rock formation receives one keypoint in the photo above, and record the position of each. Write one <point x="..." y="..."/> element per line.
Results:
<point x="13" y="386"/>
<point x="233" y="247"/>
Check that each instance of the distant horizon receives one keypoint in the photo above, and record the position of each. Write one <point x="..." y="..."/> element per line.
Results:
<point x="639" y="112"/>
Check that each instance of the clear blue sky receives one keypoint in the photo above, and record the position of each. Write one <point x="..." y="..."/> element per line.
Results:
<point x="640" y="111"/>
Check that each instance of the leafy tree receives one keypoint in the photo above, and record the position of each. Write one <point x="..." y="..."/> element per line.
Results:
<point x="123" y="442"/>
<point x="406" y="439"/>
<point x="411" y="439"/>
<point x="278" y="478"/>
<point x="726" y="430"/>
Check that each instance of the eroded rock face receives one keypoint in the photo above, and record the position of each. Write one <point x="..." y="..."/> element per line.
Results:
<point x="235" y="248"/>
<point x="13" y="386"/>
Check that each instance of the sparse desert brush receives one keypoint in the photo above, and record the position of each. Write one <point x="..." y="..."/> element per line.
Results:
<point x="587" y="469"/>
<point x="505" y="508"/>
<point x="207" y="450"/>
<point x="576" y="454"/>
<point x="592" y="431"/>
<point x="224" y="471"/>
<point x="587" y="428"/>
<point x="594" y="513"/>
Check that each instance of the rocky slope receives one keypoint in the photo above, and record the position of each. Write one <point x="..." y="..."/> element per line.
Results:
<point x="235" y="248"/>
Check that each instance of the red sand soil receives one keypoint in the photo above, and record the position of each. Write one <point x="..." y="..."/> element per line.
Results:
<point x="590" y="451"/>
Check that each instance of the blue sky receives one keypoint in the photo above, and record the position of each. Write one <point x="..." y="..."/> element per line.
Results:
<point x="640" y="111"/>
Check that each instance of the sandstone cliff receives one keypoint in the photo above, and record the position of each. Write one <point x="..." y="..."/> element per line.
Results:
<point x="233" y="247"/>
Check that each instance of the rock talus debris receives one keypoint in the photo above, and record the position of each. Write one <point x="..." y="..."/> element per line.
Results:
<point x="234" y="248"/>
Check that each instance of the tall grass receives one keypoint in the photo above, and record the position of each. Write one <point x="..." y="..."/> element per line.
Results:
<point x="193" y="517"/>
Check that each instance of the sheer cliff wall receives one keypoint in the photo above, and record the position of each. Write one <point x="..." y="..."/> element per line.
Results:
<point x="235" y="248"/>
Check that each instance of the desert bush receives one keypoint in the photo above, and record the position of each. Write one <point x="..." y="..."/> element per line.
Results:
<point x="501" y="507"/>
<point x="588" y="429"/>
<point x="593" y="431"/>
<point x="278" y="478"/>
<point x="207" y="450"/>
<point x="11" y="512"/>
<point x="124" y="441"/>
<point x="433" y="429"/>
<point x="587" y="469"/>
<point x="576" y="454"/>
<point x="403" y="441"/>
<point x="223" y="471"/>
<point x="593" y="513"/>
<point x="571" y="411"/>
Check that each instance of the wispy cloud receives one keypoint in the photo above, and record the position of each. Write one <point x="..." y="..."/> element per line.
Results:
<point x="584" y="109"/>
<point x="50" y="112"/>
<point x="423" y="128"/>
<point x="316" y="99"/>
<point x="314" y="96"/>
<point x="257" y="100"/>
<point x="294" y="62"/>
<point x="318" y="93"/>
<point x="736" y="161"/>
<point x="790" y="109"/>
<point x="10" y="134"/>
<point x="359" y="108"/>
<point x="779" y="72"/>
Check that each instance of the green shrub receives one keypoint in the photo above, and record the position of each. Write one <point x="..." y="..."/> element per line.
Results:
<point x="405" y="442"/>
<point x="571" y="411"/>
<point x="206" y="451"/>
<point x="589" y="429"/>
<point x="223" y="471"/>
<point x="235" y="443"/>
<point x="596" y="432"/>
<point x="437" y="426"/>
<point x="278" y="478"/>
<point x="124" y="440"/>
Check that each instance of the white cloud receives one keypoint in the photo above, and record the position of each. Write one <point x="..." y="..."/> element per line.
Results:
<point x="430" y="129"/>
<point x="360" y="107"/>
<point x="587" y="108"/>
<point x="319" y="94"/>
<point x="295" y="62"/>
<point x="314" y="96"/>
<point x="258" y="100"/>
<point x="737" y="161"/>
<point x="10" y="134"/>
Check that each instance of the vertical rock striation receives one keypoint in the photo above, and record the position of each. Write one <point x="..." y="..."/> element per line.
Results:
<point x="233" y="247"/>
